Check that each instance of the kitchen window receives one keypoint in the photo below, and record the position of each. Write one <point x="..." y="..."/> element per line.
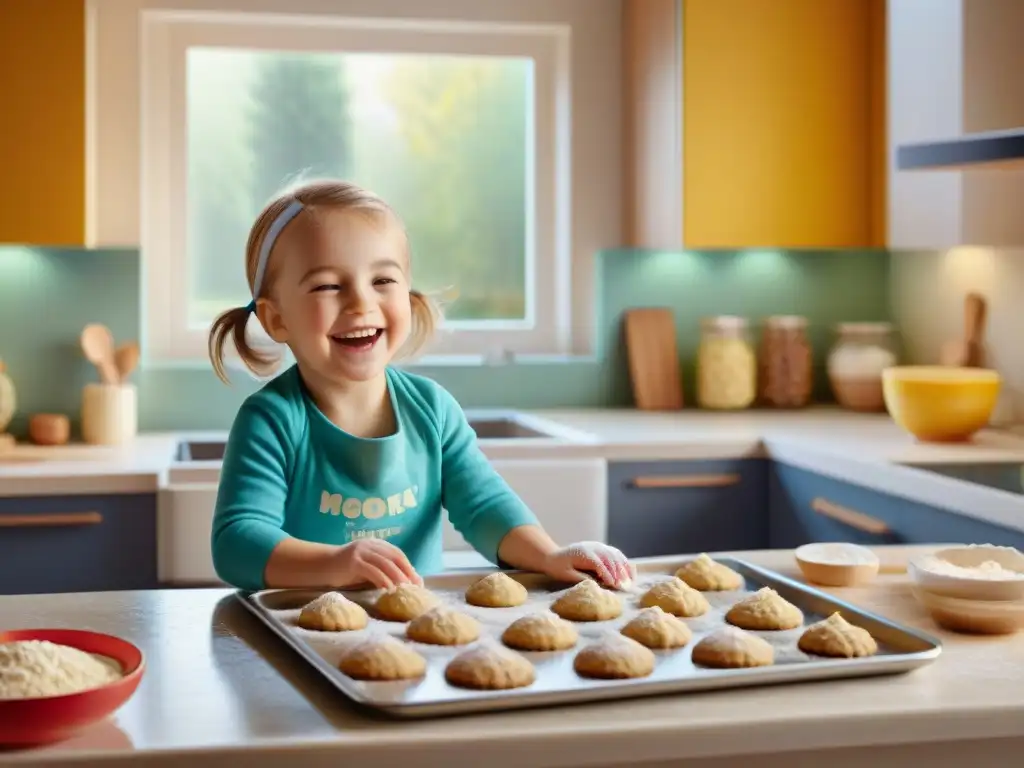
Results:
<point x="477" y="121"/>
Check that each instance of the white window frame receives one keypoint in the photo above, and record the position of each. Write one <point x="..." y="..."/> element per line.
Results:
<point x="135" y="116"/>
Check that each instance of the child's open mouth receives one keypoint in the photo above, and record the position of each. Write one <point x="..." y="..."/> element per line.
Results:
<point x="359" y="340"/>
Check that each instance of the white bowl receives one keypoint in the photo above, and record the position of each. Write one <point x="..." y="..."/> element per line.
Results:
<point x="930" y="573"/>
<point x="974" y="617"/>
<point x="837" y="564"/>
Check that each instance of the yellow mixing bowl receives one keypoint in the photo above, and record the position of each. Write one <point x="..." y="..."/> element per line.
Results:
<point x="938" y="404"/>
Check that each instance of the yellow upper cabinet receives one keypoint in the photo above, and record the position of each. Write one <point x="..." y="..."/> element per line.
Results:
<point x="42" y="136"/>
<point x="770" y="132"/>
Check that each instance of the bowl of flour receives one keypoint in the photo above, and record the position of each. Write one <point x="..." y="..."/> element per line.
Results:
<point x="54" y="682"/>
<point x="974" y="572"/>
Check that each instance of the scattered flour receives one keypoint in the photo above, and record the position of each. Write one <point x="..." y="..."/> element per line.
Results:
<point x="36" y="668"/>
<point x="989" y="570"/>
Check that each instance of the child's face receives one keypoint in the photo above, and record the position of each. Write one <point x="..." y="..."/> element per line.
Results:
<point x="340" y="296"/>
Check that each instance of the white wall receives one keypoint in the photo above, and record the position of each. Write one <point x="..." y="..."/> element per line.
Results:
<point x="969" y="47"/>
<point x="927" y="292"/>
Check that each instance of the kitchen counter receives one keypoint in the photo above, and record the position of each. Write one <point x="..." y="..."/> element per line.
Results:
<point x="630" y="434"/>
<point x="136" y="467"/>
<point x="220" y="687"/>
<point x="865" y="449"/>
<point x="148" y="462"/>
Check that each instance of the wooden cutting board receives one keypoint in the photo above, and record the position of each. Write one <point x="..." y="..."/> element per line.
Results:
<point x="650" y="336"/>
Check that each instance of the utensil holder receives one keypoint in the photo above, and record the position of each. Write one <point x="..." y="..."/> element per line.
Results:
<point x="109" y="413"/>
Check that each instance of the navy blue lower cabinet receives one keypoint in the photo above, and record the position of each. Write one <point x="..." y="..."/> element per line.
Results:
<point x="78" y="543"/>
<point x="806" y="507"/>
<point x="660" y="508"/>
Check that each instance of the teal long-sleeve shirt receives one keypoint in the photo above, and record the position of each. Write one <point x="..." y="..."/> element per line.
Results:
<point x="289" y="471"/>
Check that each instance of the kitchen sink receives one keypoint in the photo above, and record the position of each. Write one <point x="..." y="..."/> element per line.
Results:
<point x="487" y="427"/>
<point x="200" y="450"/>
<point x="504" y="428"/>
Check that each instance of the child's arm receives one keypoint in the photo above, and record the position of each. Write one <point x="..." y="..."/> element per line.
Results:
<point x="498" y="524"/>
<point x="480" y="504"/>
<point x="250" y="548"/>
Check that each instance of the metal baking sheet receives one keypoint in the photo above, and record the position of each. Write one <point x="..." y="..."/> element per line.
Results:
<point x="901" y="649"/>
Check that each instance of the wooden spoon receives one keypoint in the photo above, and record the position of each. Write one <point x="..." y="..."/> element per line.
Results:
<point x="126" y="358"/>
<point x="98" y="347"/>
<point x="968" y="352"/>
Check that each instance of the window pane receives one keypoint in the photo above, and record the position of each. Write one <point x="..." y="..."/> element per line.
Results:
<point x="444" y="139"/>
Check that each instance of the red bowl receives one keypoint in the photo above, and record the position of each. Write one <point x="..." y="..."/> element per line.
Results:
<point x="54" y="718"/>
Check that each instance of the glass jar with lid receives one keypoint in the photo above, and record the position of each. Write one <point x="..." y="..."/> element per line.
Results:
<point x="785" y="375"/>
<point x="726" y="364"/>
<point x="856" y="361"/>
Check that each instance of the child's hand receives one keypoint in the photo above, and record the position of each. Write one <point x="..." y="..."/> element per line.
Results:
<point x="609" y="564"/>
<point x="376" y="561"/>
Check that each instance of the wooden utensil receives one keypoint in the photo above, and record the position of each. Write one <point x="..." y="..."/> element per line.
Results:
<point x="98" y="347"/>
<point x="126" y="358"/>
<point x="968" y="352"/>
<point x="650" y="335"/>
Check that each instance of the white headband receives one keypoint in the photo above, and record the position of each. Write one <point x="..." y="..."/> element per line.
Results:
<point x="289" y="213"/>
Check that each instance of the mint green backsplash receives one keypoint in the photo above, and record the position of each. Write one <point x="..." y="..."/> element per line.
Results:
<point x="47" y="296"/>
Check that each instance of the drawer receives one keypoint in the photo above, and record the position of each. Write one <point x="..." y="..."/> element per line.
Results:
<point x="806" y="507"/>
<point x="675" y="507"/>
<point x="78" y="543"/>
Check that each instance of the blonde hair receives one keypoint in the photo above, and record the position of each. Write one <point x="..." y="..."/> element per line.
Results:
<point x="323" y="195"/>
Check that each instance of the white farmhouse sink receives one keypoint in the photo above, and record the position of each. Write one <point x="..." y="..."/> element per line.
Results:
<point x="488" y="425"/>
<point x="567" y="493"/>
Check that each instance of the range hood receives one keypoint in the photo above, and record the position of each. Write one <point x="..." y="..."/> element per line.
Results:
<point x="1002" y="150"/>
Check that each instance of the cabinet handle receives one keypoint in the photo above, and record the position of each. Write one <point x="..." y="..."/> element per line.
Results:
<point x="50" y="520"/>
<point x="685" y="481"/>
<point x="849" y="517"/>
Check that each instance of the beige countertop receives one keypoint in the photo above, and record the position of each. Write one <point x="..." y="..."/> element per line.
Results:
<point x="626" y="433"/>
<point x="868" y="450"/>
<point x="615" y="434"/>
<point x="220" y="687"/>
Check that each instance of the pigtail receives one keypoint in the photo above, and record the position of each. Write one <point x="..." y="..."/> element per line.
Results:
<point x="232" y="323"/>
<point x="426" y="317"/>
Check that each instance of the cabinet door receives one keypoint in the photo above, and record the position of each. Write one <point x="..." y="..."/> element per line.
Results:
<point x="783" y="123"/>
<point x="807" y="507"/>
<point x="566" y="495"/>
<point x="674" y="507"/>
<point x="78" y="543"/>
<point x="42" y="142"/>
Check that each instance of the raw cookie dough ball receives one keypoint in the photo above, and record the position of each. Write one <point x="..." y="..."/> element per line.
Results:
<point x="540" y="632"/>
<point x="489" y="666"/>
<point x="496" y="590"/>
<point x="705" y="574"/>
<point x="730" y="648"/>
<point x="382" y="658"/>
<point x="443" y="626"/>
<point x="405" y="602"/>
<point x="837" y="637"/>
<point x="587" y="601"/>
<point x="766" y="609"/>
<point x="654" y="628"/>
<point x="332" y="612"/>
<point x="614" y="657"/>
<point x="677" y="597"/>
